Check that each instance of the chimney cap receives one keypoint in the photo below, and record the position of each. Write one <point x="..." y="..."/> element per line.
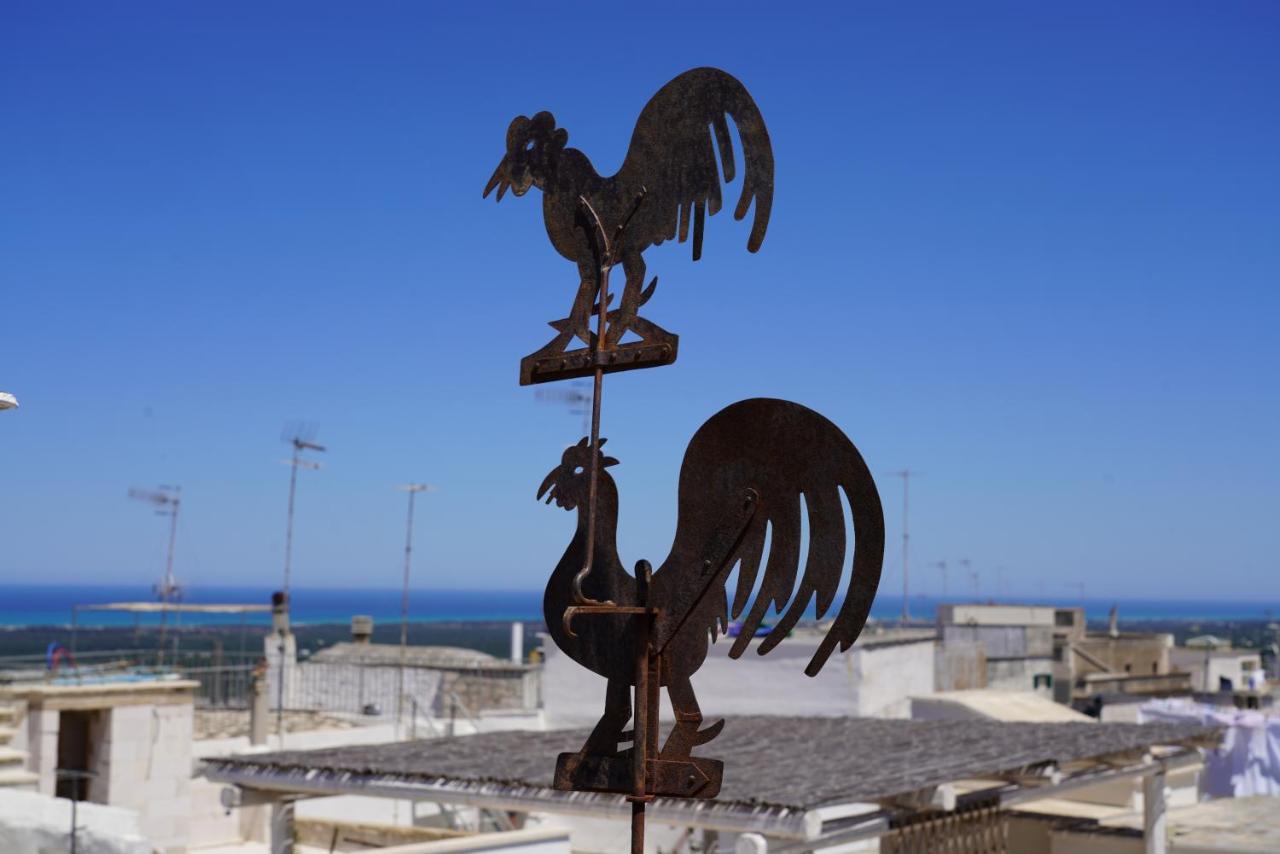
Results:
<point x="361" y="628"/>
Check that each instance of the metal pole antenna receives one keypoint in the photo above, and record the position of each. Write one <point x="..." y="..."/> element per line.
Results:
<point x="288" y="556"/>
<point x="173" y="535"/>
<point x="167" y="590"/>
<point x="295" y="462"/>
<point x="167" y="500"/>
<point x="413" y="489"/>
<point x="905" y="474"/>
<point x="906" y="537"/>
<point x="288" y="527"/>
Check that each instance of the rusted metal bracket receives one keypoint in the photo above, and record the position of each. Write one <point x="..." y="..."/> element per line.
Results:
<point x="551" y="363"/>
<point x="693" y="778"/>
<point x="596" y="611"/>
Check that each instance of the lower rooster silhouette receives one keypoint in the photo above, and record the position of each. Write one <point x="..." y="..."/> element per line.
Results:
<point x="748" y="475"/>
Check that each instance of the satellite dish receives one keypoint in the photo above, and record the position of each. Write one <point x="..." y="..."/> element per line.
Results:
<point x="7" y="401"/>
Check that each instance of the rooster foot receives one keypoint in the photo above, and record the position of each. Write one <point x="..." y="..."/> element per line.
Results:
<point x="685" y="736"/>
<point x="554" y="361"/>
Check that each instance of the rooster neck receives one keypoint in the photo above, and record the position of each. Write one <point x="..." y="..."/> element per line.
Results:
<point x="606" y="569"/>
<point x="606" y="517"/>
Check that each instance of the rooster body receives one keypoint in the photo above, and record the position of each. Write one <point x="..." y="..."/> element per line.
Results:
<point x="783" y="459"/>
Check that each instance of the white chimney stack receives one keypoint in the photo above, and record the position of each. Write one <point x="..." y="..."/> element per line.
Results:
<point x="517" y="643"/>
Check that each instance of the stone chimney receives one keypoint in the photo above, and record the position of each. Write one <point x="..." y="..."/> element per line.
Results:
<point x="517" y="643"/>
<point x="280" y="612"/>
<point x="361" y="629"/>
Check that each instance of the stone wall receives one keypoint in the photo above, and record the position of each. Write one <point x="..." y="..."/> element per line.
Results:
<point x="960" y="666"/>
<point x="148" y="756"/>
<point x="1134" y="655"/>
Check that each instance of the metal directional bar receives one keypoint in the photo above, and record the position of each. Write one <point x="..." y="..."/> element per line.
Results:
<point x="714" y="562"/>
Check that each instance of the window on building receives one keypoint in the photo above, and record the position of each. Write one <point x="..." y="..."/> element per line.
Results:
<point x="1128" y="667"/>
<point x="1042" y="679"/>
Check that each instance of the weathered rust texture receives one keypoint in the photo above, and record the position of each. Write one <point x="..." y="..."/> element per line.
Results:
<point x="672" y="163"/>
<point x="749" y="474"/>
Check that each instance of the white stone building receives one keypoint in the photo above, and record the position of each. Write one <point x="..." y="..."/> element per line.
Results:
<point x="132" y="738"/>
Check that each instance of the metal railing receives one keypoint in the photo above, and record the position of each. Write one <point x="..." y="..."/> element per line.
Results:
<point x="355" y="686"/>
<point x="226" y="687"/>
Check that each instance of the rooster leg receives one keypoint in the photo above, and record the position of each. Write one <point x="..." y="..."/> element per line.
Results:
<point x="634" y="267"/>
<point x="604" y="739"/>
<point x="685" y="735"/>
<point x="580" y="314"/>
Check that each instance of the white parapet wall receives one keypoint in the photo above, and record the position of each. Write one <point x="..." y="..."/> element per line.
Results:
<point x="32" y="823"/>
<point x="875" y="678"/>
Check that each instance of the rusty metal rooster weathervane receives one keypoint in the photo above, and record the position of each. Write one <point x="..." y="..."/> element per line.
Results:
<point x="752" y="476"/>
<point x="668" y="179"/>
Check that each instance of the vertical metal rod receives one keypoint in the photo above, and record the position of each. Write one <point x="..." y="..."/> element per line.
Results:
<point x="75" y="799"/>
<point x="643" y="729"/>
<point x="603" y="269"/>
<point x="166" y="586"/>
<point x="637" y="827"/>
<point x="906" y="608"/>
<point x="404" y="614"/>
<point x="288" y="529"/>
<point x="173" y="535"/>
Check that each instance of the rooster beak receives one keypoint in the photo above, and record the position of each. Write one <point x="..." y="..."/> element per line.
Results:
<point x="548" y="486"/>
<point x="498" y="180"/>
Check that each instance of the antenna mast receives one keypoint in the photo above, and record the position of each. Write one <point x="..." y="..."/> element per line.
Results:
<point x="578" y="398"/>
<point x="905" y="474"/>
<point x="167" y="500"/>
<point x="301" y="440"/>
<point x="413" y="489"/>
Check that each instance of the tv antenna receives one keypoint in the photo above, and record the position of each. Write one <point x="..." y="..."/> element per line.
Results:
<point x="941" y="566"/>
<point x="967" y="564"/>
<point x="906" y="475"/>
<point x="578" y="398"/>
<point x="302" y="437"/>
<point x="413" y="489"/>
<point x="168" y="501"/>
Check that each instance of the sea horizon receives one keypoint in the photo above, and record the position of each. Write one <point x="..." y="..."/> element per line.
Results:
<point x="53" y="605"/>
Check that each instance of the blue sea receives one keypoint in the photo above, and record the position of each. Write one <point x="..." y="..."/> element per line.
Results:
<point x="28" y="605"/>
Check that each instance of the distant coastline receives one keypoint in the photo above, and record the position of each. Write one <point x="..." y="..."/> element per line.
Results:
<point x="51" y="605"/>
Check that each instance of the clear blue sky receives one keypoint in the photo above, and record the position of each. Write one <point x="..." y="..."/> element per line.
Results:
<point x="1032" y="253"/>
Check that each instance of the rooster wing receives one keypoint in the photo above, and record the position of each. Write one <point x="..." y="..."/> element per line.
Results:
<point x="672" y="157"/>
<point x="790" y="456"/>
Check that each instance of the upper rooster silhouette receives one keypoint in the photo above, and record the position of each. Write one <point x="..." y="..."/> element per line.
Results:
<point x="671" y="163"/>
<point x="748" y="475"/>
